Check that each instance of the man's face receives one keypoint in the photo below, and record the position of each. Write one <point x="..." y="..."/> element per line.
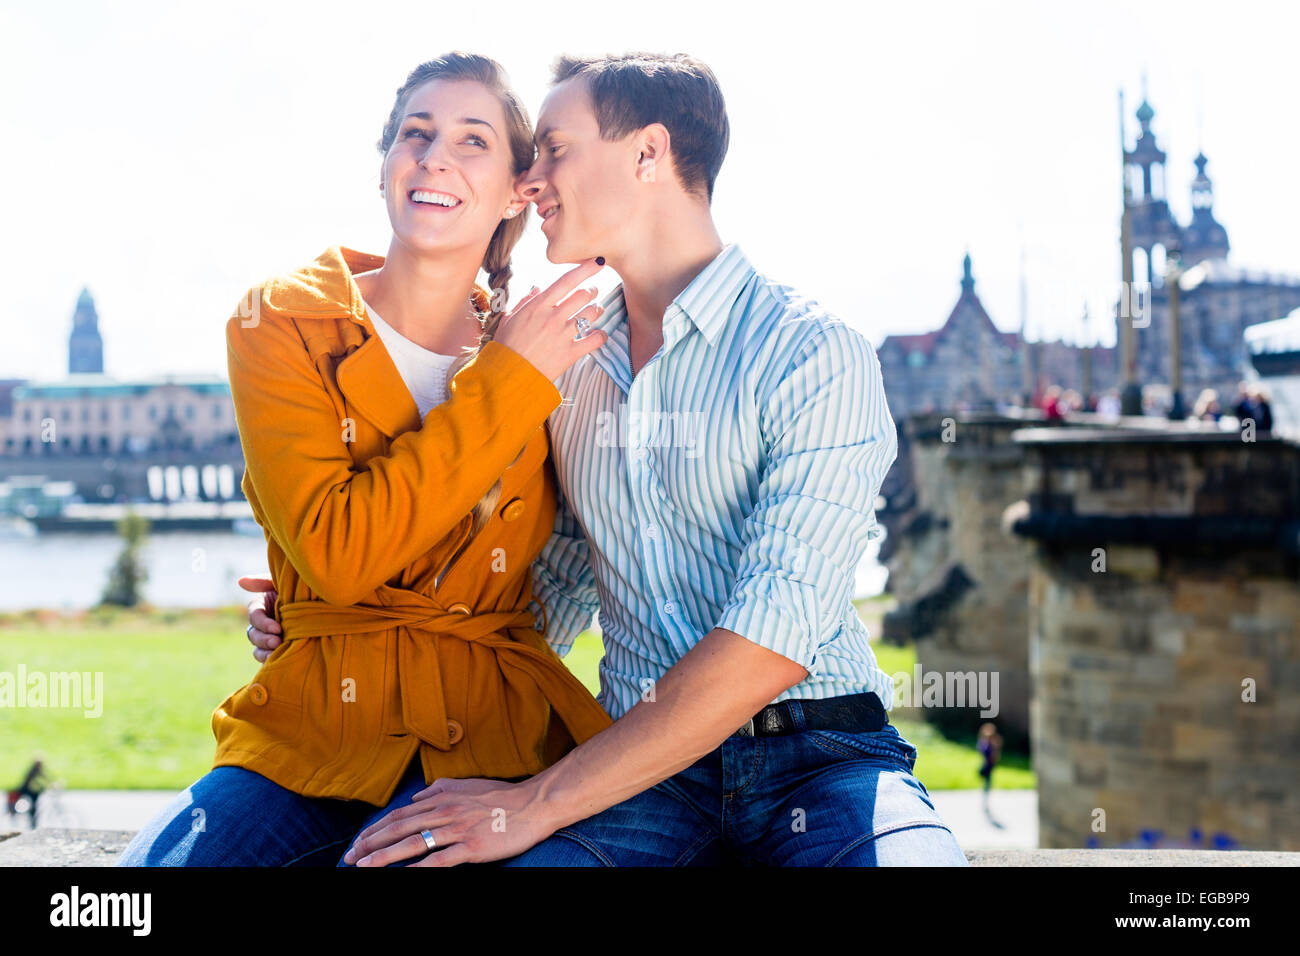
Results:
<point x="584" y="187"/>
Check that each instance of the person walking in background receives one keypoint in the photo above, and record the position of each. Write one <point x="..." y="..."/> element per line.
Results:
<point x="1051" y="405"/>
<point x="1253" y="406"/>
<point x="1207" y="407"/>
<point x="990" y="748"/>
<point x="33" y="785"/>
<point x="1108" y="405"/>
<point x="1263" y="410"/>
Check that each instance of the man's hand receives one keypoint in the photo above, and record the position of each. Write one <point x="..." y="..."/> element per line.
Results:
<point x="264" y="634"/>
<point x="472" y="821"/>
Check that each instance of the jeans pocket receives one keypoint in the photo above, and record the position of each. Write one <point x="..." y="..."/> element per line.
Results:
<point x="886" y="743"/>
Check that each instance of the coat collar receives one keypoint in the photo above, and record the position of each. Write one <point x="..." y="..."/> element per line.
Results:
<point x="326" y="290"/>
<point x="366" y="375"/>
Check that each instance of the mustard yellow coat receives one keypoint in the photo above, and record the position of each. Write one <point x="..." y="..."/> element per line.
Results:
<point x="363" y="504"/>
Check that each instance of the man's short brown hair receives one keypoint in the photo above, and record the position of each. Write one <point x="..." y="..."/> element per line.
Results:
<point x="632" y="90"/>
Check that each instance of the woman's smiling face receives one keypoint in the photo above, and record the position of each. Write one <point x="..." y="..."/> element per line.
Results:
<point x="447" y="176"/>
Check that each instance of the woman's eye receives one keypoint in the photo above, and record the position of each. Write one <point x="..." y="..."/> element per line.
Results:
<point x="556" y="149"/>
<point x="477" y="140"/>
<point x="414" y="132"/>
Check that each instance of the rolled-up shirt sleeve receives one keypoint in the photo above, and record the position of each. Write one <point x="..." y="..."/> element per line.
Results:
<point x="563" y="581"/>
<point x="828" y="439"/>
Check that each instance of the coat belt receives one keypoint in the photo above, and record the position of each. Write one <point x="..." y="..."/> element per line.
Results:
<point x="419" y="621"/>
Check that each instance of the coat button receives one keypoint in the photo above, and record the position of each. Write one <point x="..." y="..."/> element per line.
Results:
<point x="513" y="509"/>
<point x="257" y="694"/>
<point x="459" y="608"/>
<point x="454" y="731"/>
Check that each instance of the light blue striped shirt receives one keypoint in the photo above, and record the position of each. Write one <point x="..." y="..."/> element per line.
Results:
<point x="731" y="483"/>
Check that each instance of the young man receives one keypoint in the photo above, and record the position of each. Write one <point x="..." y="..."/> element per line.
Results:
<point x="718" y="460"/>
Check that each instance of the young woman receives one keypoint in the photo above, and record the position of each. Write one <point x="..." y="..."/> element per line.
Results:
<point x="402" y="507"/>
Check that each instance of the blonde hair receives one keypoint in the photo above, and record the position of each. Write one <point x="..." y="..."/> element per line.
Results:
<point x="496" y="260"/>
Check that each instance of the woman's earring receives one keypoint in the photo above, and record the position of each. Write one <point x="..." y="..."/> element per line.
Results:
<point x="510" y="213"/>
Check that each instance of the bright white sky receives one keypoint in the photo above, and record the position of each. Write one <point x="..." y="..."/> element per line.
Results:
<point x="170" y="155"/>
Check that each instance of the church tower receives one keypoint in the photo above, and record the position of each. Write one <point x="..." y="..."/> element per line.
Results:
<point x="1204" y="238"/>
<point x="1151" y="222"/>
<point x="85" y="347"/>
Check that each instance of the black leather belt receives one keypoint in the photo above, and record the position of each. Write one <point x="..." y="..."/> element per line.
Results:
<point x="853" y="713"/>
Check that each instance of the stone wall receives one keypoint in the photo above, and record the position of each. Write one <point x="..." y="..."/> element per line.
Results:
<point x="961" y="583"/>
<point x="102" y="847"/>
<point x="1164" y="622"/>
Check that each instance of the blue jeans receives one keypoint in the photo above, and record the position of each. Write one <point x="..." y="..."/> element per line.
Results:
<point x="235" y="817"/>
<point x="810" y="798"/>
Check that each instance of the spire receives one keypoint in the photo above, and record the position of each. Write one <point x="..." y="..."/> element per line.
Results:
<point x="967" y="280"/>
<point x="1024" y="295"/>
<point x="85" y="346"/>
<point x="1204" y="238"/>
<point x="1202" y="188"/>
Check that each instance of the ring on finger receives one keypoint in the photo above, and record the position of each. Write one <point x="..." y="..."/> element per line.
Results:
<point x="429" y="841"/>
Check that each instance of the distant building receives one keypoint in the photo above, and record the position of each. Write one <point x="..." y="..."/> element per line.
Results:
<point x="95" y="415"/>
<point x="90" y="413"/>
<point x="85" y="345"/>
<point x="968" y="362"/>
<point x="1218" y="299"/>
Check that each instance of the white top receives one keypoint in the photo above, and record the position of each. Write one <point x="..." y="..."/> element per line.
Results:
<point x="423" y="371"/>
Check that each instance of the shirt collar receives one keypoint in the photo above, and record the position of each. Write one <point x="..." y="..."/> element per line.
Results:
<point x="708" y="299"/>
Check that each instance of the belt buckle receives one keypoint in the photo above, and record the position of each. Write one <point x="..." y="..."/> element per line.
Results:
<point x="747" y="730"/>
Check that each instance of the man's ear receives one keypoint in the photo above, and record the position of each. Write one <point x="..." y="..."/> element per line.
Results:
<point x="652" y="144"/>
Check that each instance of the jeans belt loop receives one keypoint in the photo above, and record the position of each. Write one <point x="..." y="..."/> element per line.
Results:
<point x="795" y="709"/>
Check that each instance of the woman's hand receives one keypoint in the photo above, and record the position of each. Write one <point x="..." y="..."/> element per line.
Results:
<point x="541" y="326"/>
<point x="263" y="632"/>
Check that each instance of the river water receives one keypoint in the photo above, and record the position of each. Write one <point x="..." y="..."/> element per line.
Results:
<point x="190" y="569"/>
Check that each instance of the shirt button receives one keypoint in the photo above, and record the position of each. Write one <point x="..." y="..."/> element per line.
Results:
<point x="257" y="694"/>
<point x="670" y="607"/>
<point x="454" y="731"/>
<point x="652" y="531"/>
<point x="459" y="608"/>
<point x="513" y="509"/>
<point x="639" y="454"/>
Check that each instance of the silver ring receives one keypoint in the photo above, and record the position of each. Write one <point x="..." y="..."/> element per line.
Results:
<point x="249" y="632"/>
<point x="583" y="327"/>
<point x="428" y="839"/>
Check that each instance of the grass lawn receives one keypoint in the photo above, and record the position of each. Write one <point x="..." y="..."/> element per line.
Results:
<point x="165" y="671"/>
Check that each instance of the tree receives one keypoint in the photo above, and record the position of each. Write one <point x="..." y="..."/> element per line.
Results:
<point x="127" y="575"/>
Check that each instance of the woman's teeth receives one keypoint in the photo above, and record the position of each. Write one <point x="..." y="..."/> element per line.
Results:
<point x="437" y="199"/>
